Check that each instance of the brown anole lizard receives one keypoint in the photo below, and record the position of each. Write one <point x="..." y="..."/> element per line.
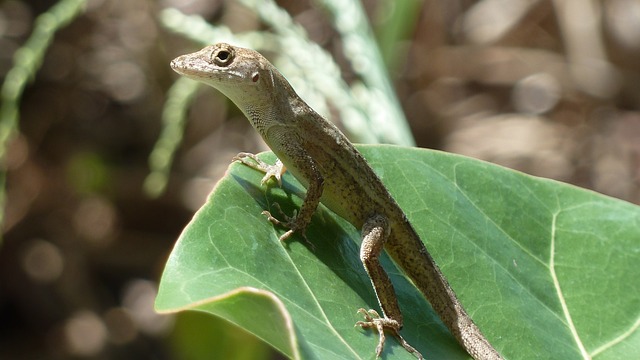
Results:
<point x="334" y="173"/>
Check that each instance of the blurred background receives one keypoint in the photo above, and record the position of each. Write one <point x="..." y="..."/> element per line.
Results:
<point x="551" y="88"/>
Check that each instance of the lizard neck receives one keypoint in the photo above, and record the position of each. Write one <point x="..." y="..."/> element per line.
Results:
<point x="274" y="104"/>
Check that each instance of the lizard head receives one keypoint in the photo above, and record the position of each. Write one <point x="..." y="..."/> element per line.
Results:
<point x="236" y="72"/>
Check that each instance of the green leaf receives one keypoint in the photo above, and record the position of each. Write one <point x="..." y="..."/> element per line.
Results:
<point x="197" y="337"/>
<point x="545" y="269"/>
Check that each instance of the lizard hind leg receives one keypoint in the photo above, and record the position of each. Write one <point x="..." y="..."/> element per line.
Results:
<point x="375" y="232"/>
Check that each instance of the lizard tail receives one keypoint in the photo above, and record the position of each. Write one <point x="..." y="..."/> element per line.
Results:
<point x="431" y="282"/>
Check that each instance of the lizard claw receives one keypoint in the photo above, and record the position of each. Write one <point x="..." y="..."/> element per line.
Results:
<point x="270" y="171"/>
<point x="273" y="171"/>
<point x="373" y="320"/>
<point x="289" y="222"/>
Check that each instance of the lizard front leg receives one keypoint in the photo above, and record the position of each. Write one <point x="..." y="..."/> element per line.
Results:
<point x="299" y="221"/>
<point x="375" y="232"/>
<point x="270" y="171"/>
<point x="308" y="168"/>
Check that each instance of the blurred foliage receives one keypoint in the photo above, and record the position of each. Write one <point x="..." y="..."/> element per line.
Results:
<point x="87" y="173"/>
<point x="549" y="88"/>
<point x="396" y="21"/>
<point x="26" y="62"/>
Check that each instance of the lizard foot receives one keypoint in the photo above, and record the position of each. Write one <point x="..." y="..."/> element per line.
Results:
<point x="270" y="171"/>
<point x="373" y="320"/>
<point x="289" y="222"/>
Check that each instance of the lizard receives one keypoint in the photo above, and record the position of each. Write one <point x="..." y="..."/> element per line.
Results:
<point x="333" y="172"/>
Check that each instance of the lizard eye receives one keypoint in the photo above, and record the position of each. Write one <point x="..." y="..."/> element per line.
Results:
<point x="222" y="57"/>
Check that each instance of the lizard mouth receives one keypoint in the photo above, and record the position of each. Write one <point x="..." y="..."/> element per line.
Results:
<point x="197" y="70"/>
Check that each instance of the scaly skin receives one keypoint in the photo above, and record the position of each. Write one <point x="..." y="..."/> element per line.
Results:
<point x="334" y="173"/>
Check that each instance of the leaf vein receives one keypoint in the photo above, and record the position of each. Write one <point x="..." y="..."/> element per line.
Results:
<point x="556" y="284"/>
